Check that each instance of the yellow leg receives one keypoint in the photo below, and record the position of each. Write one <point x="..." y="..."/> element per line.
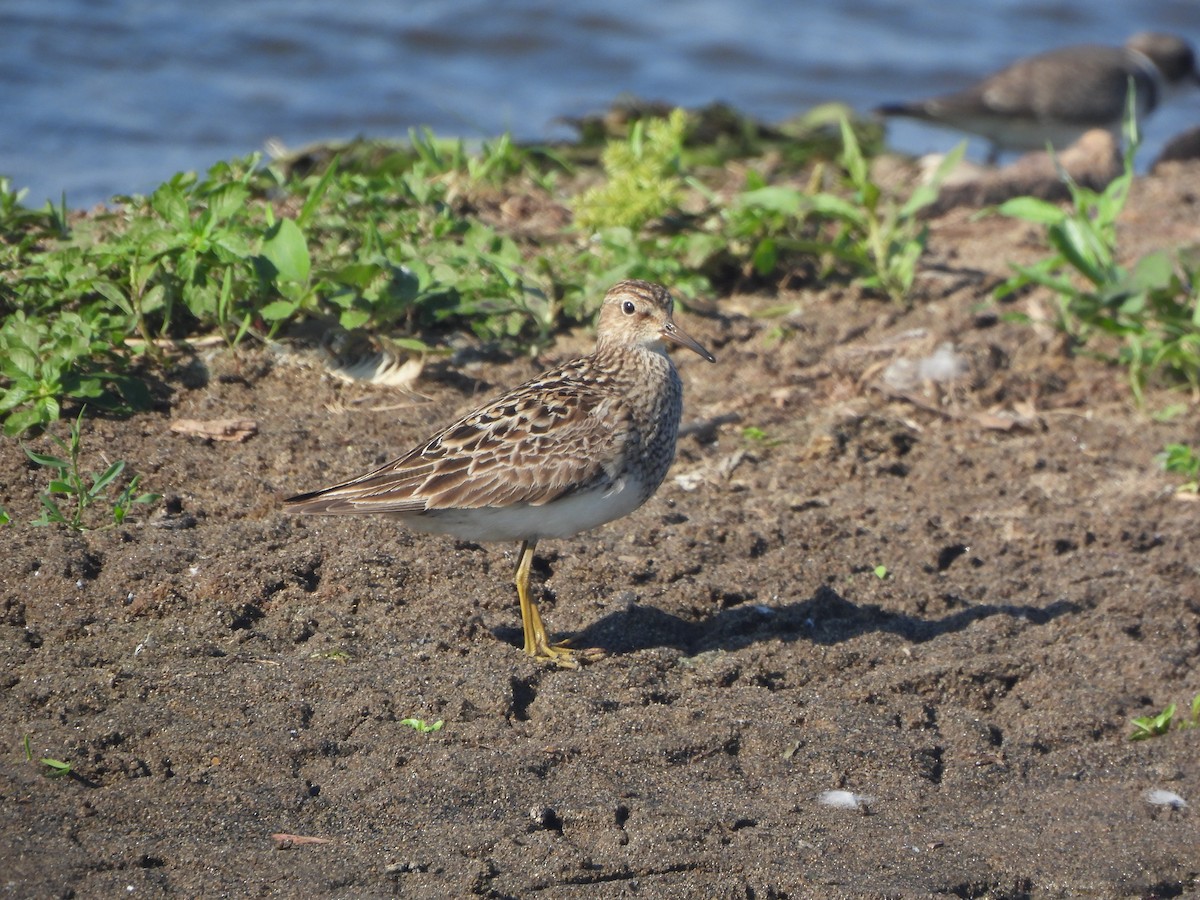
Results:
<point x="537" y="644"/>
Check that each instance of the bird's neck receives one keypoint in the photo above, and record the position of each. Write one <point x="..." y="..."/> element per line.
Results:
<point x="637" y="362"/>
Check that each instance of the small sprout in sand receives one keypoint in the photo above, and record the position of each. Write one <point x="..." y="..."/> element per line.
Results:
<point x="756" y="435"/>
<point x="1146" y="727"/>
<point x="4" y="516"/>
<point x="1180" y="459"/>
<point x="1170" y="412"/>
<point x="56" y="767"/>
<point x="881" y="572"/>
<point x="422" y="726"/>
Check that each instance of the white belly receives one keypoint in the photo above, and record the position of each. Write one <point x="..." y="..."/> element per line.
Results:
<point x="1023" y="134"/>
<point x="562" y="518"/>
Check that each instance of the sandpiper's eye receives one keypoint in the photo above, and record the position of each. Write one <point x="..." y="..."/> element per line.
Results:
<point x="628" y="308"/>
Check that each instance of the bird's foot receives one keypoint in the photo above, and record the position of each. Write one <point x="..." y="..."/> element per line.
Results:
<point x="562" y="654"/>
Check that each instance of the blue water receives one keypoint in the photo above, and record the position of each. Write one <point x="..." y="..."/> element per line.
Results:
<point x="113" y="96"/>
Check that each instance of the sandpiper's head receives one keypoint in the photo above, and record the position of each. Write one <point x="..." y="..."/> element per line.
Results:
<point x="639" y="313"/>
<point x="1171" y="54"/>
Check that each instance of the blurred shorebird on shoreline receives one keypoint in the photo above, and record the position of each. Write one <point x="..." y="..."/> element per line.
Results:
<point x="1055" y="97"/>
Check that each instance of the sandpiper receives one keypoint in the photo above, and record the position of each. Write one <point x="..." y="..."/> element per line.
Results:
<point x="1055" y="97"/>
<point x="578" y="446"/>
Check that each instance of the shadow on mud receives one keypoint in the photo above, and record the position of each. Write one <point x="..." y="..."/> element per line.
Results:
<point x="826" y="618"/>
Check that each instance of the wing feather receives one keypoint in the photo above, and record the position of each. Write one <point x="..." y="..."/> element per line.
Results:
<point x="543" y="440"/>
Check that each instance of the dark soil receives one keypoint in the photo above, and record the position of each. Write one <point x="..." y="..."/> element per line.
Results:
<point x="228" y="682"/>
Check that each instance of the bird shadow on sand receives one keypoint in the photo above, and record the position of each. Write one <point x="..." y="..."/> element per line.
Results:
<point x="826" y="618"/>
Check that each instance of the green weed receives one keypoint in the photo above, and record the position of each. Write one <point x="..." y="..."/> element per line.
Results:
<point x="286" y="263"/>
<point x="421" y="264"/>
<point x="879" y="237"/>
<point x="422" y="726"/>
<point x="56" y="768"/>
<point x="336" y="655"/>
<point x="205" y="242"/>
<point x="494" y="163"/>
<point x="159" y="267"/>
<point x="22" y="227"/>
<point x="1181" y="459"/>
<point x="1170" y="412"/>
<point x="70" y="484"/>
<point x="70" y="355"/>
<point x="1151" y="311"/>
<point x="391" y="239"/>
<point x="756" y="435"/>
<point x="643" y="178"/>
<point x="1146" y="727"/>
<point x="382" y="251"/>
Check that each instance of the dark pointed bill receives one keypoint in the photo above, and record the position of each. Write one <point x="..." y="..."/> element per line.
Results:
<point x="677" y="335"/>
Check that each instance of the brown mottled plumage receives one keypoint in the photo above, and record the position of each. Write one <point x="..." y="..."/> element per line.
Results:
<point x="578" y="446"/>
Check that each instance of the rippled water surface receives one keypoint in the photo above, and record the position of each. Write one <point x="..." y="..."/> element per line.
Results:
<point x="113" y="96"/>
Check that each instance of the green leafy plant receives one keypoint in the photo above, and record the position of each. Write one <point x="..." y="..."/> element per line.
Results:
<point x="22" y="227"/>
<point x="91" y="298"/>
<point x="767" y="223"/>
<point x="72" y="355"/>
<point x="286" y="263"/>
<point x="383" y="250"/>
<point x="1151" y="310"/>
<point x="1181" y="459"/>
<point x="420" y="264"/>
<point x="881" y="572"/>
<point x="879" y="236"/>
<point x="1193" y="720"/>
<point x="405" y="239"/>
<point x="362" y="288"/>
<point x="70" y="484"/>
<point x="1146" y="727"/>
<point x="643" y="177"/>
<point x="184" y="253"/>
<point x="1170" y="412"/>
<point x="422" y="726"/>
